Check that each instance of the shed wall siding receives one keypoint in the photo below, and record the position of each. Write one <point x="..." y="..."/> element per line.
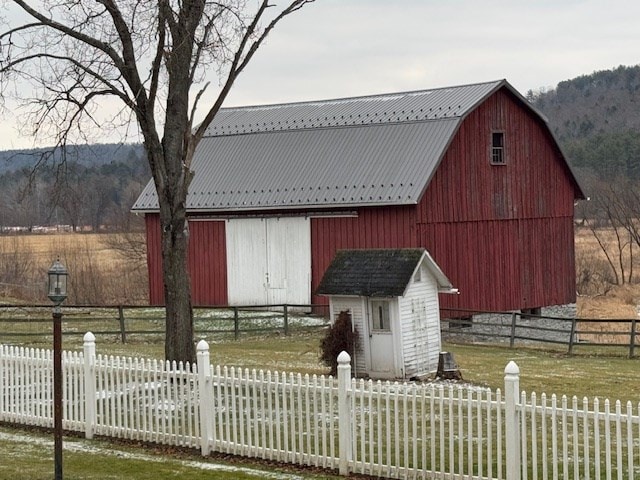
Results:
<point x="356" y="306"/>
<point x="420" y="322"/>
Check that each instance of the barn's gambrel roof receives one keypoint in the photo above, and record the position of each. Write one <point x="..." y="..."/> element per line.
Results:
<point x="365" y="151"/>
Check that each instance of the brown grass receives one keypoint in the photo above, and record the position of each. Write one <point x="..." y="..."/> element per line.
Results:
<point x="612" y="302"/>
<point x="101" y="267"/>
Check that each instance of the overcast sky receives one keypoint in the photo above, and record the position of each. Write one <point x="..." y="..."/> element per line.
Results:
<point x="341" y="48"/>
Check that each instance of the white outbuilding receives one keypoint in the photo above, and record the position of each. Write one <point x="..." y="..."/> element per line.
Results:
<point x="392" y="296"/>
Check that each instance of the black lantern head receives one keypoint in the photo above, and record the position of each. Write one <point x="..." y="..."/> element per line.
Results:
<point x="57" y="283"/>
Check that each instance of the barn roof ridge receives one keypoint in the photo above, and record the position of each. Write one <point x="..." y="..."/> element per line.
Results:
<point x="386" y="108"/>
<point x="368" y="96"/>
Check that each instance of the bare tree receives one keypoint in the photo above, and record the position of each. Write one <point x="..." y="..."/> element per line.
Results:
<point x="614" y="223"/>
<point x="68" y="55"/>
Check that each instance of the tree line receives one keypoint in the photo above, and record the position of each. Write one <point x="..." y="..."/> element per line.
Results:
<point x="85" y="191"/>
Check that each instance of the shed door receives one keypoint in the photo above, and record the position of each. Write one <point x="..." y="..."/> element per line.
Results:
<point x="381" y="350"/>
<point x="269" y="261"/>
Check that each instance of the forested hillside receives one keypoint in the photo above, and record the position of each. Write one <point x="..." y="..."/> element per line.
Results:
<point x="94" y="187"/>
<point x="596" y="118"/>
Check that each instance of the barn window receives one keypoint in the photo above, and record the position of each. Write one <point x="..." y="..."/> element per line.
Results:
<point x="380" y="315"/>
<point x="497" y="148"/>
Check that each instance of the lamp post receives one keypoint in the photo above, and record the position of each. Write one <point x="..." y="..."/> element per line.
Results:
<point x="57" y="294"/>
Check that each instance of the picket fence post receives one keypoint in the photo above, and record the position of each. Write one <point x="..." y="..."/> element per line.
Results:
<point x="206" y="405"/>
<point x="89" y="348"/>
<point x="344" y="413"/>
<point x="512" y="420"/>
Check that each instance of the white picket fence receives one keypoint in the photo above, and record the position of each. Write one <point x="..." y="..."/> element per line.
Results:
<point x="385" y="429"/>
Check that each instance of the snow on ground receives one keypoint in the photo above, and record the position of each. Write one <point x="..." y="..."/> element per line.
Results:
<point x="81" y="446"/>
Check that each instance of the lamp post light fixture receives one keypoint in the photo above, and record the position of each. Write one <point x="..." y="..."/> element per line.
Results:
<point x="57" y="294"/>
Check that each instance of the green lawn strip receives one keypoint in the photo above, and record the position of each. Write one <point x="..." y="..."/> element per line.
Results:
<point x="29" y="455"/>
<point x="591" y="371"/>
<point x="603" y="373"/>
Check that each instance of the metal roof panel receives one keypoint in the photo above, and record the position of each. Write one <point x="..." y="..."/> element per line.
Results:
<point x="386" y="164"/>
<point x="387" y="108"/>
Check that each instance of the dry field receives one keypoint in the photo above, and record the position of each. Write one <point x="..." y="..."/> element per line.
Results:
<point x="597" y="298"/>
<point x="96" y="260"/>
<point x="104" y="268"/>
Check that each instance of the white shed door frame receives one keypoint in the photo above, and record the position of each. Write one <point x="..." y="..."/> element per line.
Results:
<point x="268" y="260"/>
<point x="382" y="326"/>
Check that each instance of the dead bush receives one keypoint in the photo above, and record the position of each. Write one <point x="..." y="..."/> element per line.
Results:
<point x="17" y="269"/>
<point x="341" y="336"/>
<point x="593" y="275"/>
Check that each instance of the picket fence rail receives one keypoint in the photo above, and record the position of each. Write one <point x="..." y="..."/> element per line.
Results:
<point x="384" y="429"/>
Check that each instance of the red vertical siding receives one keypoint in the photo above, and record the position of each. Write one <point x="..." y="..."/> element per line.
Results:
<point x="504" y="264"/>
<point x="390" y="227"/>
<point x="154" y="259"/>
<point x="503" y="234"/>
<point x="207" y="262"/>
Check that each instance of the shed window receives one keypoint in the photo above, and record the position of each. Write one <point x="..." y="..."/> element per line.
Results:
<point x="380" y="315"/>
<point x="497" y="148"/>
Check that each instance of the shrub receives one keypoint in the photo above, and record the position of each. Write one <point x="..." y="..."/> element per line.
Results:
<point x="341" y="336"/>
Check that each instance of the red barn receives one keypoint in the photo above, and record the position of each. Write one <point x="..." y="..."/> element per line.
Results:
<point x="471" y="173"/>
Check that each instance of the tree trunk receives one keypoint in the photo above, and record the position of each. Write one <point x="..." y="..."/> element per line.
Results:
<point x="179" y="344"/>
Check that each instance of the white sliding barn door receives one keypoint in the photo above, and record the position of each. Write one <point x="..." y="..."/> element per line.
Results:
<point x="269" y="260"/>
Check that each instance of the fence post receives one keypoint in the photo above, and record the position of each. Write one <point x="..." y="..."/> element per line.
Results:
<point x="286" y="319"/>
<point x="632" y="338"/>
<point x="236" y="323"/>
<point x="572" y="335"/>
<point x="512" y="337"/>
<point x="89" y="348"/>
<point x="512" y="417"/>
<point x="205" y="396"/>
<point x="344" y="413"/>
<point x="123" y="331"/>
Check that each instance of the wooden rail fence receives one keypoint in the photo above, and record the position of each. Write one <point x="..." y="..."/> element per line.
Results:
<point x="21" y="321"/>
<point x="517" y="328"/>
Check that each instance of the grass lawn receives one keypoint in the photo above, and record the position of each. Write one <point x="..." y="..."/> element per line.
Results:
<point x="28" y="455"/>
<point x="591" y="372"/>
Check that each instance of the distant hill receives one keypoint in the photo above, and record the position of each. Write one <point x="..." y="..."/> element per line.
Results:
<point x="85" y="155"/>
<point x="596" y="119"/>
<point x="95" y="189"/>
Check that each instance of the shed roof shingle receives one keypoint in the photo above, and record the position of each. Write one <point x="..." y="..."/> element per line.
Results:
<point x="376" y="272"/>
